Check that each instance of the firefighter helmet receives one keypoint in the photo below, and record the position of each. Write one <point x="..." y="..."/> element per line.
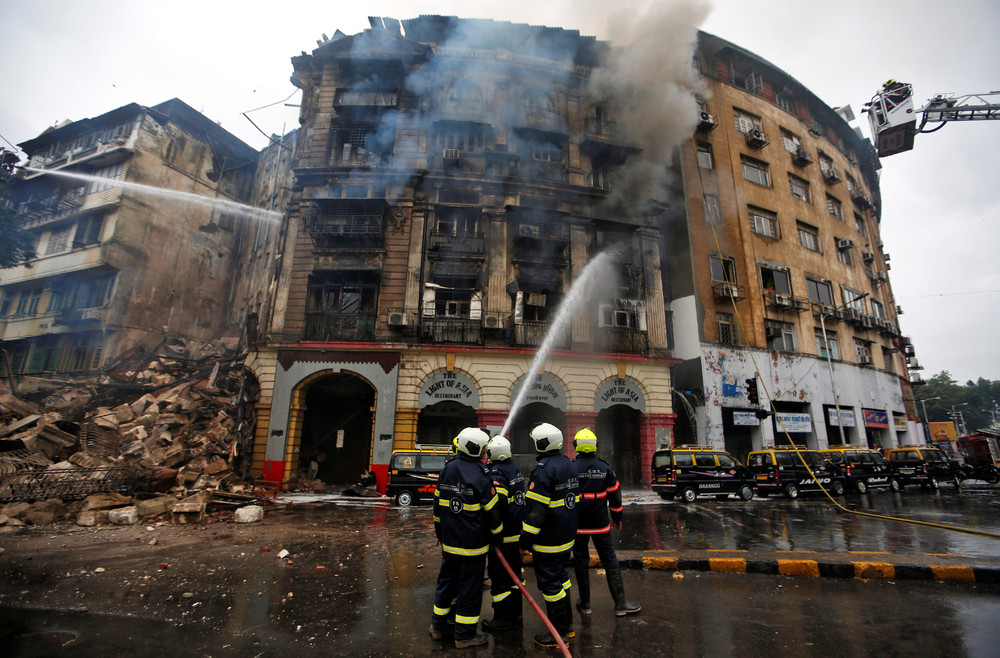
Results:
<point x="472" y="441"/>
<point x="547" y="437"/>
<point x="498" y="449"/>
<point x="585" y="440"/>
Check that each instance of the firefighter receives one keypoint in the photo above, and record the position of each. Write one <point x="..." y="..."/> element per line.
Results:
<point x="599" y="491"/>
<point x="466" y="518"/>
<point x="549" y="528"/>
<point x="510" y="485"/>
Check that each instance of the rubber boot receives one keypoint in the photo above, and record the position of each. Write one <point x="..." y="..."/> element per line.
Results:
<point x="569" y="631"/>
<point x="583" y="583"/>
<point x="502" y="618"/>
<point x="440" y="628"/>
<point x="617" y="587"/>
<point x="476" y="640"/>
<point x="556" y="613"/>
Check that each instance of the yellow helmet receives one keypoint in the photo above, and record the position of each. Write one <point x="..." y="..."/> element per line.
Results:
<point x="585" y="441"/>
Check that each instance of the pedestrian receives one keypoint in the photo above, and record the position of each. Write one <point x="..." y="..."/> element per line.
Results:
<point x="466" y="517"/>
<point x="549" y="529"/>
<point x="510" y="485"/>
<point x="600" y="491"/>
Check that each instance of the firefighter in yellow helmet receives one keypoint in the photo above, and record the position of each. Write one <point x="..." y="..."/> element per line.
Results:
<point x="599" y="492"/>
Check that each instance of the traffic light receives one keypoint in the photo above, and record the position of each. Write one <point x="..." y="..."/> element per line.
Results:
<point x="752" y="391"/>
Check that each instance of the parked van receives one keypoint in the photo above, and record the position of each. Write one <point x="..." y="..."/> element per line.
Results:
<point x="924" y="465"/>
<point x="690" y="472"/>
<point x="780" y="470"/>
<point x="413" y="474"/>
<point x="863" y="468"/>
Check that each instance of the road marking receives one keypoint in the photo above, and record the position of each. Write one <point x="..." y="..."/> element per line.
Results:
<point x="958" y="574"/>
<point x="728" y="565"/>
<point x="869" y="552"/>
<point x="873" y="570"/>
<point x="662" y="563"/>
<point x="806" y="568"/>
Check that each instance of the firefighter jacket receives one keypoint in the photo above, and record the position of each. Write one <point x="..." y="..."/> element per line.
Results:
<point x="550" y="526"/>
<point x="466" y="512"/>
<point x="599" y="491"/>
<point x="510" y="485"/>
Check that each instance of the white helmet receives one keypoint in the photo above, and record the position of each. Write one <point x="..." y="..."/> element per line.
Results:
<point x="472" y="441"/>
<point x="547" y="437"/>
<point x="498" y="449"/>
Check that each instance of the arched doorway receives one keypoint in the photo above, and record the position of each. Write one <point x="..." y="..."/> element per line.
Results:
<point x="618" y="442"/>
<point x="522" y="447"/>
<point x="337" y="424"/>
<point x="441" y="422"/>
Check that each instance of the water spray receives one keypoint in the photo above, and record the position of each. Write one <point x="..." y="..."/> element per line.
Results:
<point x="215" y="203"/>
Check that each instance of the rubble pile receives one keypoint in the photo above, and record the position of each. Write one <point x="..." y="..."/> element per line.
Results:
<point x="163" y="429"/>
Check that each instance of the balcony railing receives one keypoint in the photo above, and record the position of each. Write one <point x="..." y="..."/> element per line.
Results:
<point x="55" y="207"/>
<point x="339" y="326"/>
<point x="622" y="339"/>
<point x="547" y="120"/>
<point x="553" y="172"/>
<point x="600" y="128"/>
<point x="534" y="333"/>
<point x="463" y="244"/>
<point x="451" y="330"/>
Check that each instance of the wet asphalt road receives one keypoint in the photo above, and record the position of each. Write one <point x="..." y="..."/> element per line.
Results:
<point x="359" y="580"/>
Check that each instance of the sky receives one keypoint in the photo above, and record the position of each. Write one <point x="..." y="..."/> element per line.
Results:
<point x="231" y="61"/>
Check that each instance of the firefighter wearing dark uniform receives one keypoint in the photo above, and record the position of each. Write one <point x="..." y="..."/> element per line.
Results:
<point x="549" y="529"/>
<point x="599" y="492"/>
<point x="510" y="485"/>
<point x="466" y="518"/>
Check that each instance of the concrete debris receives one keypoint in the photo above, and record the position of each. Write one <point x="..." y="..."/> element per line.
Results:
<point x="249" y="514"/>
<point x="158" y="433"/>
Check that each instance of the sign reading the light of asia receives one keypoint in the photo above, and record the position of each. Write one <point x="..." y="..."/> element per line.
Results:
<point x="795" y="422"/>
<point x="619" y="391"/>
<point x="545" y="388"/>
<point x="453" y="386"/>
<point x="846" y="417"/>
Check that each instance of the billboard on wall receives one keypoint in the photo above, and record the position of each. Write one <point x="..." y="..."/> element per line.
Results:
<point x="942" y="431"/>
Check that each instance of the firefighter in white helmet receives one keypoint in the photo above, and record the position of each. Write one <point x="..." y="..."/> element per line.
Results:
<point x="549" y="529"/>
<point x="466" y="518"/>
<point x="599" y="492"/>
<point x="510" y="485"/>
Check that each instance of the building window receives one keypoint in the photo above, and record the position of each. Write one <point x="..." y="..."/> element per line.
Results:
<point x="820" y="291"/>
<point x="327" y="294"/>
<point x="808" y="236"/>
<point x="745" y="122"/>
<point x="27" y="302"/>
<point x="790" y="141"/>
<point x="784" y="102"/>
<point x="107" y="176"/>
<point x="464" y="140"/>
<point x="729" y="331"/>
<point x="705" y="155"/>
<point x="826" y="167"/>
<point x="887" y="359"/>
<point x="853" y="299"/>
<point x="799" y="187"/>
<point x="624" y="316"/>
<point x="775" y="280"/>
<point x="88" y="230"/>
<point x="780" y="335"/>
<point x="863" y="351"/>
<point x="878" y="310"/>
<point x="723" y="269"/>
<point x="712" y="215"/>
<point x="834" y="207"/>
<point x="851" y="185"/>
<point x="756" y="171"/>
<point x="463" y="99"/>
<point x="843" y="255"/>
<point x="859" y="221"/>
<point x="60" y="240"/>
<point x="763" y="222"/>
<point x="831" y="340"/>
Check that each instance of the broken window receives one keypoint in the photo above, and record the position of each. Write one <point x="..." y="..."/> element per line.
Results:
<point x="790" y="141"/>
<point x="630" y="314"/>
<point x="775" y="280"/>
<point x="799" y="187"/>
<point x="452" y="297"/>
<point x="808" y="236"/>
<point x="340" y="293"/>
<point x="780" y="335"/>
<point x="723" y="269"/>
<point x="834" y="207"/>
<point x="756" y="171"/>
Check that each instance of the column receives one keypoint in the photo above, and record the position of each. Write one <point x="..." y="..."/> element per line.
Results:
<point x="648" y="425"/>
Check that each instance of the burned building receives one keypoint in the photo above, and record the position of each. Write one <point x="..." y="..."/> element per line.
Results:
<point x="452" y="180"/>
<point x="780" y="270"/>
<point x="137" y="214"/>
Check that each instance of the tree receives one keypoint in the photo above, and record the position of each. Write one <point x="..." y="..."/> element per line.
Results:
<point x="977" y="401"/>
<point x="18" y="244"/>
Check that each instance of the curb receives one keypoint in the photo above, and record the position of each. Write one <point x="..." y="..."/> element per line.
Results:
<point x="860" y="566"/>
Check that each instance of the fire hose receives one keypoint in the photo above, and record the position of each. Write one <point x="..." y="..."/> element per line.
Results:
<point x="548" y="624"/>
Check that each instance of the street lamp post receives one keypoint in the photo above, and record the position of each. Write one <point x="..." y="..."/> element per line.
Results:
<point x="927" y="429"/>
<point x="829" y="362"/>
<point x="958" y="415"/>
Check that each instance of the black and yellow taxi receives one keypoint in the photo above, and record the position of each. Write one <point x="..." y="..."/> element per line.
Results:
<point x="413" y="474"/>
<point x="863" y="468"/>
<point x="924" y="465"/>
<point x="692" y="471"/>
<point x="791" y="471"/>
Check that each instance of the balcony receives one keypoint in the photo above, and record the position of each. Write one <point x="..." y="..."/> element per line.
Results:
<point x="463" y="245"/>
<point x="600" y="128"/>
<point x="723" y="290"/>
<point x="543" y="120"/>
<point x="533" y="334"/>
<point x="55" y="207"/>
<point x="329" y="327"/>
<point x="78" y="317"/>
<point x="625" y="340"/>
<point x="451" y="330"/>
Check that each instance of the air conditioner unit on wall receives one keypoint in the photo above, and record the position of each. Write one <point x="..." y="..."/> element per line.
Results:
<point x="450" y="154"/>
<point x="781" y="300"/>
<point x="706" y="122"/>
<point x="528" y="231"/>
<point x="397" y="319"/>
<point x="865" y="360"/>
<point x="756" y="138"/>
<point x="492" y="322"/>
<point x="845" y="244"/>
